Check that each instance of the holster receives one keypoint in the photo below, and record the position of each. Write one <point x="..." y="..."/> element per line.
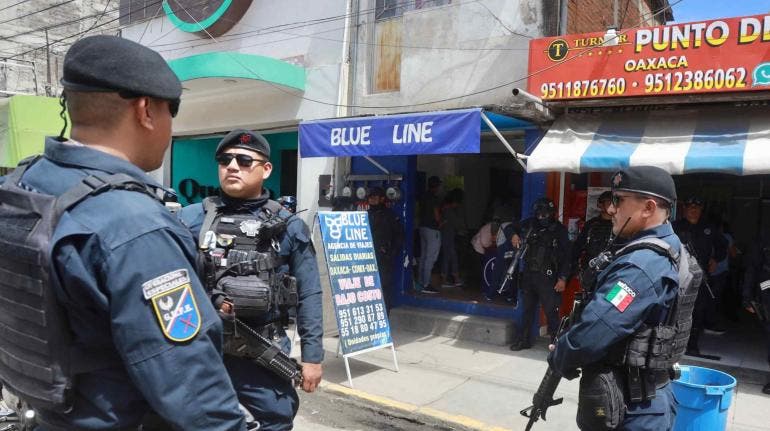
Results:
<point x="600" y="403"/>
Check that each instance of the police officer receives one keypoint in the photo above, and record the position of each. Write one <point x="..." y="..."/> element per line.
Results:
<point x="708" y="246"/>
<point x="634" y="292"/>
<point x="756" y="288"/>
<point x="388" y="237"/>
<point x="236" y="218"/>
<point x="594" y="239"/>
<point x="120" y="258"/>
<point x="545" y="270"/>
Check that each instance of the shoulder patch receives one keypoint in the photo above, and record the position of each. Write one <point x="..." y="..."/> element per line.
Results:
<point x="174" y="304"/>
<point x="620" y="296"/>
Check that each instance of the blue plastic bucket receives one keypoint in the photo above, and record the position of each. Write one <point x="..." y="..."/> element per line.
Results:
<point x="704" y="397"/>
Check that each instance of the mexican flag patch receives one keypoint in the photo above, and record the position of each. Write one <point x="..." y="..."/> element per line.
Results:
<point x="621" y="296"/>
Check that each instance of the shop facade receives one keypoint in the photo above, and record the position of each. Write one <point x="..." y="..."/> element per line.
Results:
<point x="690" y="98"/>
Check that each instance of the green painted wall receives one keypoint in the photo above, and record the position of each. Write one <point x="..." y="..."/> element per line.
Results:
<point x="29" y="120"/>
<point x="194" y="171"/>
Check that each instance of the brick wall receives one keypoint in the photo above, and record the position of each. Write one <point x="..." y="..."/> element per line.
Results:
<point x="587" y="16"/>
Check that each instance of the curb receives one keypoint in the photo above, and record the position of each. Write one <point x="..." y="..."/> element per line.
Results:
<point x="447" y="419"/>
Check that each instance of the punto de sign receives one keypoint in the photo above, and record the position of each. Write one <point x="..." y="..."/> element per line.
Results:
<point x="725" y="55"/>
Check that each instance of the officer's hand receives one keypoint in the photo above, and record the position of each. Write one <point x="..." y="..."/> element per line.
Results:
<point x="712" y="265"/>
<point x="560" y="285"/>
<point x="311" y="376"/>
<point x="551" y="347"/>
<point x="750" y="309"/>
<point x="516" y="240"/>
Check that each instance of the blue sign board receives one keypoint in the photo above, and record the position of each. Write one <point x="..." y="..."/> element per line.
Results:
<point x="355" y="281"/>
<point x="440" y="132"/>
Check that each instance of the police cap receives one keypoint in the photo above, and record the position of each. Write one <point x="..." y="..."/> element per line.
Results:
<point x="245" y="139"/>
<point x="113" y="64"/>
<point x="646" y="180"/>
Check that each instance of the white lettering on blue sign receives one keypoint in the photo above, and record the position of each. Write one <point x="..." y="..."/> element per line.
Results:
<point x="413" y="133"/>
<point x="350" y="136"/>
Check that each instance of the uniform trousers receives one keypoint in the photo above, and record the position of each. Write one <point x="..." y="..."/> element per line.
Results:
<point x="538" y="288"/>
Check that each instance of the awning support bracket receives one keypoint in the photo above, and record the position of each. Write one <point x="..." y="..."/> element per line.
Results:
<point x="379" y="166"/>
<point x="519" y="157"/>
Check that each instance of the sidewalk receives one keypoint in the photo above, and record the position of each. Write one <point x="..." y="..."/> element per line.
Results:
<point x="480" y="386"/>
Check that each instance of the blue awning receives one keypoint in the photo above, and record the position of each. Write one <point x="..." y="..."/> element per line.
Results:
<point x="734" y="140"/>
<point x="437" y="132"/>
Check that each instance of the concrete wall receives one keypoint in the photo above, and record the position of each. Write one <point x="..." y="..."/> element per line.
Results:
<point x="449" y="51"/>
<point x="23" y="42"/>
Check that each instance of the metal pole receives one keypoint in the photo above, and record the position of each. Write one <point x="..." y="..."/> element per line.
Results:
<point x="48" y="65"/>
<point x="563" y="13"/>
<point x="502" y="139"/>
<point x="616" y="14"/>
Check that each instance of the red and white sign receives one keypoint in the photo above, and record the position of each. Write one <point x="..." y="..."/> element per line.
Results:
<point x="725" y="55"/>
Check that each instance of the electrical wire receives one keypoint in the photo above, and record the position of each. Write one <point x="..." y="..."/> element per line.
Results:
<point x="411" y="105"/>
<point x="37" y="11"/>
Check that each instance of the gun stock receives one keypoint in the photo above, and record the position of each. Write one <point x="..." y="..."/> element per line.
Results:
<point x="520" y="253"/>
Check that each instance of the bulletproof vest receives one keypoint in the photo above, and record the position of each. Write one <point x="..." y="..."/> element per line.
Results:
<point x="599" y="233"/>
<point x="660" y="346"/>
<point x="241" y="253"/>
<point x="38" y="361"/>
<point x="542" y="245"/>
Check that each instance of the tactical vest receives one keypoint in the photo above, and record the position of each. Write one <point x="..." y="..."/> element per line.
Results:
<point x="598" y="237"/>
<point x="38" y="362"/>
<point x="542" y="245"/>
<point x="661" y="346"/>
<point x="241" y="255"/>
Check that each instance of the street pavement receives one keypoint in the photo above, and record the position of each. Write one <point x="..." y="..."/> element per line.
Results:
<point x="444" y="383"/>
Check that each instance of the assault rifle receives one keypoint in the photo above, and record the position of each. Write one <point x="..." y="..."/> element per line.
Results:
<point x="268" y="354"/>
<point x="543" y="398"/>
<point x="520" y="253"/>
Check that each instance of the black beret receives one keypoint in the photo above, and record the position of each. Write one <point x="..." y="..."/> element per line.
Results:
<point x="245" y="139"/>
<point x="110" y="63"/>
<point x="647" y="180"/>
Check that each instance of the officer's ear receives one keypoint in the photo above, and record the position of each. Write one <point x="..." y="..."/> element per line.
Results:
<point x="267" y="169"/>
<point x="143" y="112"/>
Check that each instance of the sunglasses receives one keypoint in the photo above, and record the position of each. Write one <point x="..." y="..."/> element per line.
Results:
<point x="618" y="199"/>
<point x="173" y="105"/>
<point x="243" y="160"/>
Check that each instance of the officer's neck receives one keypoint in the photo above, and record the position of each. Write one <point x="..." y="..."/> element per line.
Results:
<point x="239" y="203"/>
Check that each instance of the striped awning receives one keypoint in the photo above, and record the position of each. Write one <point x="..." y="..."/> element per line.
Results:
<point x="734" y="140"/>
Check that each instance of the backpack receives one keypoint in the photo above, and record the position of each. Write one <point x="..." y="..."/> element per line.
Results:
<point x="38" y="362"/>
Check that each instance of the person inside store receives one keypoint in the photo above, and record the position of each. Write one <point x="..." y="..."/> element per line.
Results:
<point x="489" y="238"/>
<point x="756" y="288"/>
<point x="593" y="239"/>
<point x="546" y="266"/>
<point x="116" y="255"/>
<point x="607" y="345"/>
<point x="452" y="224"/>
<point x="430" y="235"/>
<point x="243" y="225"/>
<point x="708" y="246"/>
<point x="388" y="239"/>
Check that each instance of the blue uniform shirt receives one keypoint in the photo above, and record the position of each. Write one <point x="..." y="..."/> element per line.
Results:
<point x="104" y="251"/>
<point x="297" y="247"/>
<point x="636" y="288"/>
